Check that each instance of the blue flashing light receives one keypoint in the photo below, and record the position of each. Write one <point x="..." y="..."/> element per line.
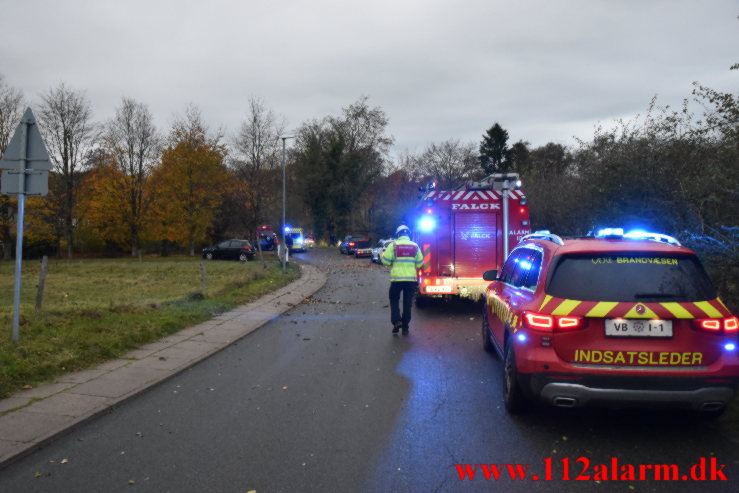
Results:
<point x="636" y="234"/>
<point x="525" y="264"/>
<point x="610" y="232"/>
<point x="426" y="224"/>
<point x="645" y="235"/>
<point x="730" y="346"/>
<point x="521" y="337"/>
<point x="287" y="229"/>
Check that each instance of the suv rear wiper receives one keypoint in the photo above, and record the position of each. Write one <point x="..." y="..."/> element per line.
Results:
<point x="655" y="295"/>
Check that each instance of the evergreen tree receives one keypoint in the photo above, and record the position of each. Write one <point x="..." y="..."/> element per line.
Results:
<point x="494" y="151"/>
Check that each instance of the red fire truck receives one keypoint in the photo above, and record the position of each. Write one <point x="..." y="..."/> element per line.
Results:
<point x="461" y="234"/>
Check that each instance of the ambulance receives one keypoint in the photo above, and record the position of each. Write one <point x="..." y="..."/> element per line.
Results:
<point x="466" y="231"/>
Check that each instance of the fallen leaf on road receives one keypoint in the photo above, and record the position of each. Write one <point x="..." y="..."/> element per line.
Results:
<point x="37" y="475"/>
<point x="64" y="461"/>
<point x="131" y="481"/>
<point x="284" y="388"/>
<point x="27" y="387"/>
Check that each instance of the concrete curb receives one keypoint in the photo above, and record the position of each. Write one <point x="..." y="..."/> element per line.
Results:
<point x="47" y="412"/>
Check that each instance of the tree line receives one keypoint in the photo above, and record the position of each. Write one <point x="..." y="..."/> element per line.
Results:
<point x="123" y="186"/>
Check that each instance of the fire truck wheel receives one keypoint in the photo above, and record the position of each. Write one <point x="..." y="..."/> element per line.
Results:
<point x="515" y="402"/>
<point x="487" y="345"/>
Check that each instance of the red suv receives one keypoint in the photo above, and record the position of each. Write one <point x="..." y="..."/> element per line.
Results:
<point x="615" y="319"/>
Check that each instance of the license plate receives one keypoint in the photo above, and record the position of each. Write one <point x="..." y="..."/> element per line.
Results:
<point x="438" y="289"/>
<point x="621" y="327"/>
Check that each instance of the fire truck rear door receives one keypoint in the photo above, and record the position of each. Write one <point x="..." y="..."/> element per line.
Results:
<point x="475" y="243"/>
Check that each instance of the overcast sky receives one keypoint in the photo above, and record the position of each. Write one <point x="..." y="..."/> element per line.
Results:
<point x="546" y="70"/>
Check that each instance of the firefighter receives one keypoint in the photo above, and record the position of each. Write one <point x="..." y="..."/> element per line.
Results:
<point x="405" y="259"/>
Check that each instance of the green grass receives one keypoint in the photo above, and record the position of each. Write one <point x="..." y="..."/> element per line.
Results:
<point x="95" y="310"/>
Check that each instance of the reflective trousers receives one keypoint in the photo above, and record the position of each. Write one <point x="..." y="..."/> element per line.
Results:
<point x="408" y="288"/>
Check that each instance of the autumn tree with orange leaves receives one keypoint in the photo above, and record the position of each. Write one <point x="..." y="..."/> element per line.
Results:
<point x="189" y="183"/>
<point x="132" y="140"/>
<point x="103" y="203"/>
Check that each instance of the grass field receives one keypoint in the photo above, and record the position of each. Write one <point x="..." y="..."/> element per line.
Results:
<point x="94" y="310"/>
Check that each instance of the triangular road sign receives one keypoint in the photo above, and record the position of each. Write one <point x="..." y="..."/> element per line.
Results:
<point x="36" y="156"/>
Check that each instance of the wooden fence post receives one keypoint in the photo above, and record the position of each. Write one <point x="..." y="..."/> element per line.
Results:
<point x="203" y="279"/>
<point x="261" y="257"/>
<point x="41" y="282"/>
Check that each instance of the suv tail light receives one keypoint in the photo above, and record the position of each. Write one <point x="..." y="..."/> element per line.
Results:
<point x="569" y="322"/>
<point x="538" y="321"/>
<point x="550" y="323"/>
<point x="718" y="325"/>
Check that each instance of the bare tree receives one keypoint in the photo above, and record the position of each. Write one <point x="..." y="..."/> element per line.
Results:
<point x="11" y="108"/>
<point x="257" y="158"/>
<point x="66" y="124"/>
<point x="133" y="141"/>
<point x="364" y="128"/>
<point x="450" y="163"/>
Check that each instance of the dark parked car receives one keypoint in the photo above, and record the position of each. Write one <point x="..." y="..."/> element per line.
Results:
<point x="352" y="242"/>
<point x="230" y="250"/>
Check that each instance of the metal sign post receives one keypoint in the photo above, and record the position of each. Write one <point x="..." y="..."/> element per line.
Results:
<point x="26" y="168"/>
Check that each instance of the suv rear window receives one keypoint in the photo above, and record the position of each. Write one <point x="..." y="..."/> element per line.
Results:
<point x="630" y="277"/>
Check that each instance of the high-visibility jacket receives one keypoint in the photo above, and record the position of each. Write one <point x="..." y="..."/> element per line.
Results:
<point x="405" y="258"/>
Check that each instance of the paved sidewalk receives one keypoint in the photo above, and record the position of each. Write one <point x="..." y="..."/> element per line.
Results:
<point x="42" y="413"/>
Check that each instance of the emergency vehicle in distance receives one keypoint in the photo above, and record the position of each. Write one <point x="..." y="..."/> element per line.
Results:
<point x="267" y="238"/>
<point x="618" y="319"/>
<point x="461" y="234"/>
<point x="294" y="239"/>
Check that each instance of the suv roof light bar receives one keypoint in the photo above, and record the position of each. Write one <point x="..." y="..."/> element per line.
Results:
<point x="644" y="235"/>
<point x="618" y="233"/>
<point x="544" y="235"/>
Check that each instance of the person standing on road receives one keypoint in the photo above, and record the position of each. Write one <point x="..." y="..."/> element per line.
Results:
<point x="404" y="258"/>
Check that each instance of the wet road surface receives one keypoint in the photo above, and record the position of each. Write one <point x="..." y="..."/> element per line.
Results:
<point x="325" y="399"/>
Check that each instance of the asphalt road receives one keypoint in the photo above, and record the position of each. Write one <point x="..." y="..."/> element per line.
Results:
<point x="325" y="399"/>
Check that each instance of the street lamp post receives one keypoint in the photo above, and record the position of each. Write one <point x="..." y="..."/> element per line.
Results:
<point x="504" y="183"/>
<point x="284" y="200"/>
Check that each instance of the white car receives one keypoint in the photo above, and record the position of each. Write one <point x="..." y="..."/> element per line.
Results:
<point x="379" y="249"/>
